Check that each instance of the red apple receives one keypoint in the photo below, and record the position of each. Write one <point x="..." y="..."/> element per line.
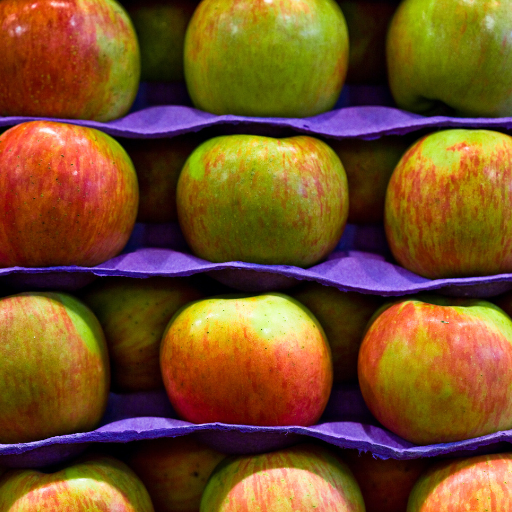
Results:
<point x="76" y="59"/>
<point x="448" y="210"/>
<point x="263" y="200"/>
<point x="344" y="316"/>
<point x="301" y="478"/>
<point x="54" y="369"/>
<point x="174" y="471"/>
<point x="438" y="370"/>
<point x="476" y="484"/>
<point x="158" y="163"/>
<point x="260" y="360"/>
<point x="369" y="165"/>
<point x="93" y="483"/>
<point x="68" y="195"/>
<point x="134" y="314"/>
<point x="385" y="484"/>
<point x="266" y="58"/>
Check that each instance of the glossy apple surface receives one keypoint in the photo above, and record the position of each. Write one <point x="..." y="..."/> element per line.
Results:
<point x="74" y="59"/>
<point x="344" y="316"/>
<point x="260" y="360"/>
<point x="94" y="483"/>
<point x="68" y="195"/>
<point x="266" y="58"/>
<point x="438" y="370"/>
<point x="175" y="471"/>
<point x="263" y="200"/>
<point x="54" y="370"/>
<point x="301" y="478"/>
<point x="134" y="314"/>
<point x="448" y="207"/>
<point x="478" y="484"/>
<point x="451" y="57"/>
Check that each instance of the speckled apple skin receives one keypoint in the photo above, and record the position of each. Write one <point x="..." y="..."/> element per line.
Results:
<point x="448" y="207"/>
<point x="266" y="58"/>
<point x="263" y="200"/>
<point x="438" y="370"/>
<point x="260" y="360"/>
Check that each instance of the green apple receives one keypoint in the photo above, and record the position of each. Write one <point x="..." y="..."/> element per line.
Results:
<point x="263" y="200"/>
<point x="452" y="57"/>
<point x="269" y="58"/>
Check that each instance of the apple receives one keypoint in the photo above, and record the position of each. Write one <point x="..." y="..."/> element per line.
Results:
<point x="344" y="316"/>
<point x="74" y="59"/>
<point x="68" y="195"/>
<point x="54" y="370"/>
<point x="367" y="24"/>
<point x="266" y="58"/>
<point x="301" y="478"/>
<point x="263" y="200"/>
<point x="174" y="471"/>
<point x="256" y="360"/>
<point x="385" y="484"/>
<point x="478" y="484"/>
<point x="451" y="57"/>
<point x="448" y="207"/>
<point x="95" y="482"/>
<point x="158" y="163"/>
<point x="438" y="370"/>
<point x="160" y="26"/>
<point x="369" y="165"/>
<point x="134" y="314"/>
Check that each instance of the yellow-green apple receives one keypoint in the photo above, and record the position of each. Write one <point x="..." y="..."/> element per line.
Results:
<point x="68" y="195"/>
<point x="451" y="57"/>
<point x="54" y="370"/>
<point x="367" y="24"/>
<point x="134" y="314"/>
<point x="266" y="58"/>
<point x="436" y="370"/>
<point x="158" y="163"/>
<point x="174" y="471"/>
<point x="448" y="207"/>
<point x="160" y="26"/>
<point x="301" y="478"/>
<point x="263" y="200"/>
<point x="385" y="484"/>
<point x="74" y="59"/>
<point x="344" y="316"/>
<point x="369" y="165"/>
<point x="93" y="483"/>
<point x="261" y="360"/>
<point x="479" y="484"/>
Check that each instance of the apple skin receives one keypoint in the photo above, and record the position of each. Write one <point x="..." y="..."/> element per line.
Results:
<point x="158" y="163"/>
<point x="301" y="478"/>
<point x="92" y="483"/>
<point x="263" y="200"/>
<point x="244" y="57"/>
<point x="385" y="484"/>
<point x="478" y="484"/>
<point x="72" y="59"/>
<point x="260" y="360"/>
<point x="68" y="195"/>
<point x="369" y="165"/>
<point x="160" y="26"/>
<point x="134" y="314"/>
<point x="54" y="374"/>
<point x="175" y="471"/>
<point x="448" y="207"/>
<point x="451" y="57"/>
<point x="344" y="316"/>
<point x="438" y="370"/>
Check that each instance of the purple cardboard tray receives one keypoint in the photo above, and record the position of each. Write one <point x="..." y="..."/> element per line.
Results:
<point x="346" y="423"/>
